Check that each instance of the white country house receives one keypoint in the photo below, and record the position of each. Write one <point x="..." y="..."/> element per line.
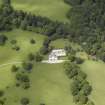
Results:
<point x="55" y="54"/>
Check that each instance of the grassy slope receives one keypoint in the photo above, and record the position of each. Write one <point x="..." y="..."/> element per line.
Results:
<point x="49" y="85"/>
<point x="96" y="75"/>
<point x="7" y="55"/>
<point x="23" y="40"/>
<point x="54" y="9"/>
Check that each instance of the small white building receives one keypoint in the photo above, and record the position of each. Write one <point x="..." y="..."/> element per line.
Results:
<point x="59" y="52"/>
<point x="55" y="54"/>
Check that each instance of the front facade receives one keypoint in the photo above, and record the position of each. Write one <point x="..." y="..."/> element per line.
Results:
<point x="55" y="54"/>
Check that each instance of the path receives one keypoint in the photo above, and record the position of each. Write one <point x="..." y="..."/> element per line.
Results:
<point x="52" y="62"/>
<point x="2" y="65"/>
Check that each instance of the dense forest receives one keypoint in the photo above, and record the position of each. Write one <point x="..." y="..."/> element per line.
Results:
<point x="87" y="21"/>
<point x="10" y="18"/>
<point x="88" y="25"/>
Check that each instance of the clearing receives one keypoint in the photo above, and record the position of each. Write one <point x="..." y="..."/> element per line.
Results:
<point x="53" y="9"/>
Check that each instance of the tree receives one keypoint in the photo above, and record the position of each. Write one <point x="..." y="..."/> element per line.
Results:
<point x="4" y="2"/>
<point x="1" y="93"/>
<point x="31" y="57"/>
<point x="14" y="68"/>
<point x="79" y="60"/>
<point x="13" y="42"/>
<point x="3" y="39"/>
<point x="27" y="66"/>
<point x="26" y="85"/>
<point x="2" y="102"/>
<point x="32" y="41"/>
<point x="25" y="101"/>
<point x="86" y="89"/>
<point x="90" y="103"/>
<point x="38" y="57"/>
<point x="83" y="99"/>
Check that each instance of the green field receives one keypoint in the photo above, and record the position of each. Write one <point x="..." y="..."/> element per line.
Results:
<point x="96" y="76"/>
<point x="54" y="9"/>
<point x="7" y="54"/>
<point x="49" y="85"/>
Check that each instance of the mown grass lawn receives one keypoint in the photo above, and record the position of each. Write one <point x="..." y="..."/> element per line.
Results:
<point x="53" y="9"/>
<point x="49" y="85"/>
<point x="7" y="54"/>
<point x="96" y="75"/>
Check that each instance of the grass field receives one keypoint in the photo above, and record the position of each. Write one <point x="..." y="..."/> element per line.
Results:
<point x="59" y="43"/>
<point x="49" y="85"/>
<point x="96" y="76"/>
<point x="54" y="9"/>
<point x="7" y="54"/>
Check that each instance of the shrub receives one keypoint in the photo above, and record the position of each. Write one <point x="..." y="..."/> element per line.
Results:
<point x="76" y="98"/>
<point x="2" y="102"/>
<point x="27" y="66"/>
<point x="1" y="93"/>
<point x="71" y="58"/>
<point x="25" y="101"/>
<point x="31" y="57"/>
<point x="79" y="60"/>
<point x="13" y="41"/>
<point x="90" y="103"/>
<point x="18" y="76"/>
<point x="38" y="57"/>
<point x="86" y="89"/>
<point x="22" y="77"/>
<point x="32" y="41"/>
<point x="17" y="48"/>
<point x="26" y="85"/>
<point x="3" y="39"/>
<point x="14" y="68"/>
<point x="75" y="87"/>
<point x="83" y="99"/>
<point x="82" y="74"/>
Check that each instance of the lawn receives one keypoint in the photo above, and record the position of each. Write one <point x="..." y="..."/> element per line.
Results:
<point x="7" y="54"/>
<point x="96" y="76"/>
<point x="60" y="43"/>
<point x="49" y="85"/>
<point x="53" y="9"/>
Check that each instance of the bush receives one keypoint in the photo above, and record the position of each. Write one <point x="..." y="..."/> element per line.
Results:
<point x="31" y="57"/>
<point x="2" y="102"/>
<point x="25" y="101"/>
<point x="76" y="98"/>
<point x="79" y="60"/>
<point x="17" y="48"/>
<point x="26" y="85"/>
<point x="13" y="41"/>
<point x="90" y="103"/>
<point x="14" y="68"/>
<point x="82" y="74"/>
<point x="27" y="66"/>
<point x="1" y="93"/>
<point x="18" y="76"/>
<point x="86" y="89"/>
<point x="22" y="77"/>
<point x="32" y="41"/>
<point x="3" y="39"/>
<point x="38" y="57"/>
<point x="71" y="58"/>
<point x="83" y="99"/>
<point x="75" y="87"/>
